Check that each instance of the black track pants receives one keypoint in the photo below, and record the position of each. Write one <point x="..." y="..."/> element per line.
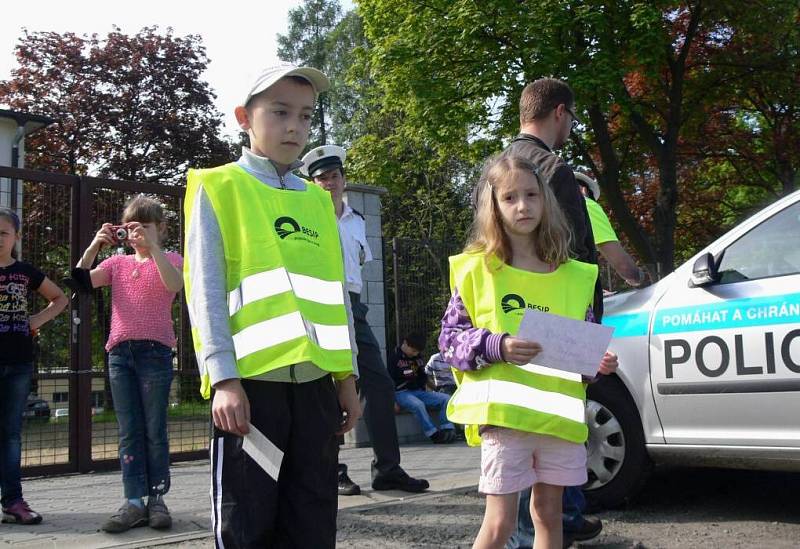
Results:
<point x="249" y="508"/>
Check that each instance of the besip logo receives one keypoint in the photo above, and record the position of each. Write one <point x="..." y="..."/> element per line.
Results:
<point x="514" y="302"/>
<point x="286" y="226"/>
<point x="281" y="225"/>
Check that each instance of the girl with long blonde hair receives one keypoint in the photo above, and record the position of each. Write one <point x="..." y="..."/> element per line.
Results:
<point x="528" y="419"/>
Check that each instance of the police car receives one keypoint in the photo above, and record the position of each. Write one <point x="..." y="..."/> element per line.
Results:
<point x="709" y="363"/>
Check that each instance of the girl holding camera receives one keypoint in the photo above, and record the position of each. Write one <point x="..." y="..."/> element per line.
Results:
<point x="140" y="343"/>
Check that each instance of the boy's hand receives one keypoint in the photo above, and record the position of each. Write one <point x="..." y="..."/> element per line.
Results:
<point x="231" y="408"/>
<point x="519" y="351"/>
<point x="348" y="402"/>
<point x="609" y="364"/>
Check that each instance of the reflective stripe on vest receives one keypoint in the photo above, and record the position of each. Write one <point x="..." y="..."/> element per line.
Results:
<point x="277" y="281"/>
<point x="531" y="397"/>
<point x="521" y="395"/>
<point x="284" y="273"/>
<point x="275" y="331"/>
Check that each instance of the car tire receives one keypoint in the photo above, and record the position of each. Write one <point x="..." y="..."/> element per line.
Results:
<point x="618" y="463"/>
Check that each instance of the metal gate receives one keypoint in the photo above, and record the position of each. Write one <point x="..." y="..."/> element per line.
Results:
<point x="417" y="287"/>
<point x="70" y="425"/>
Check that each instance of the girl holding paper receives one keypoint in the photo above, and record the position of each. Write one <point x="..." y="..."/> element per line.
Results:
<point x="528" y="419"/>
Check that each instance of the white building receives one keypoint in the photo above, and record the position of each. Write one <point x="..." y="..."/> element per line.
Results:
<point x="14" y="126"/>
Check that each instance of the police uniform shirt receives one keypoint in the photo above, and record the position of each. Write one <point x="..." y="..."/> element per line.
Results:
<point x="601" y="226"/>
<point x="352" y="231"/>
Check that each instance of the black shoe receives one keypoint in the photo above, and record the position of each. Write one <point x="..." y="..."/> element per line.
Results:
<point x="346" y="486"/>
<point x="443" y="436"/>
<point x="400" y="481"/>
<point x="589" y="528"/>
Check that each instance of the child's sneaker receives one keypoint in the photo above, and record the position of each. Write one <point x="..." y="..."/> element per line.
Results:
<point x="158" y="512"/>
<point x="21" y="513"/>
<point x="128" y="516"/>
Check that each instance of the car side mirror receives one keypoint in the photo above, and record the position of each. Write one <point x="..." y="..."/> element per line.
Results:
<point x="704" y="271"/>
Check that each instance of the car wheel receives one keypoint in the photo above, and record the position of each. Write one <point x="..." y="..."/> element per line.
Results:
<point x="618" y="464"/>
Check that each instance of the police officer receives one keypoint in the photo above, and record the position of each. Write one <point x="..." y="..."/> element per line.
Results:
<point x="325" y="165"/>
<point x="604" y="236"/>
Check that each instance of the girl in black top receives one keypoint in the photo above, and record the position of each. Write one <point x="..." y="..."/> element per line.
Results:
<point x="17" y="328"/>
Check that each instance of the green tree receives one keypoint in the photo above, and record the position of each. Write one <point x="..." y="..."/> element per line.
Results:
<point x="307" y="43"/>
<point x="349" y="104"/>
<point x="645" y="74"/>
<point x="129" y="107"/>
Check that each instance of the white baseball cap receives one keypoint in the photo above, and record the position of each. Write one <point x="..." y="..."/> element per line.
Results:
<point x="270" y="75"/>
<point x="589" y="182"/>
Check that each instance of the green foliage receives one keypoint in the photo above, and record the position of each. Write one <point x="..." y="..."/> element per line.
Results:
<point x="307" y="43"/>
<point x="649" y="76"/>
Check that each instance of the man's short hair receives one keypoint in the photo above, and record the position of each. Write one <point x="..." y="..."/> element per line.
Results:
<point x="415" y="340"/>
<point x="541" y="97"/>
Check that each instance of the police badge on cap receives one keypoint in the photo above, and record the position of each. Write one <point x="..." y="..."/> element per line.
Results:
<point x="322" y="159"/>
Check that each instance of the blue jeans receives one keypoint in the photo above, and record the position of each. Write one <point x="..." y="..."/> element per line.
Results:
<point x="140" y="373"/>
<point x="573" y="504"/>
<point x="15" y="384"/>
<point x="416" y="401"/>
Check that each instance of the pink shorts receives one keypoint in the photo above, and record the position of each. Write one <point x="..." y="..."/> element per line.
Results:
<point x="514" y="460"/>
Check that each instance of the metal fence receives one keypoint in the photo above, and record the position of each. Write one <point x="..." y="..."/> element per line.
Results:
<point x="70" y="424"/>
<point x="416" y="275"/>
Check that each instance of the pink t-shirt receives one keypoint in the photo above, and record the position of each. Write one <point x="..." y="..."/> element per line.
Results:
<point x="141" y="306"/>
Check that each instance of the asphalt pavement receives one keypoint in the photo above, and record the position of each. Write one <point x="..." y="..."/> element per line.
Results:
<point x="75" y="506"/>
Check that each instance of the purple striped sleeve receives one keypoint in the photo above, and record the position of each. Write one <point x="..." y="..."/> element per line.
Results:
<point x="463" y="345"/>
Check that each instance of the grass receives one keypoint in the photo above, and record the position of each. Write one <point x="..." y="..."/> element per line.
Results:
<point x="186" y="410"/>
<point x="200" y="409"/>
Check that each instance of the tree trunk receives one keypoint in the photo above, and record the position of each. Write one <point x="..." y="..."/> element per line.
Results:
<point x="665" y="215"/>
<point x="608" y="178"/>
<point x="321" y="115"/>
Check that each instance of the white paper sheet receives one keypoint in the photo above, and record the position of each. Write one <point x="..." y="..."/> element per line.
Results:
<point x="263" y="452"/>
<point x="570" y="345"/>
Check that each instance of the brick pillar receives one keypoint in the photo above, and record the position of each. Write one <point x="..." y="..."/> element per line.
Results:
<point x="366" y="199"/>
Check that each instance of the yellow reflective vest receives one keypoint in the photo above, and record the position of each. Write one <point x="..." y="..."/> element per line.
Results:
<point x="529" y="398"/>
<point x="601" y="227"/>
<point x="284" y="273"/>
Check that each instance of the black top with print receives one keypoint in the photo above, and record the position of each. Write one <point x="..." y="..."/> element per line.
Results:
<point x="17" y="282"/>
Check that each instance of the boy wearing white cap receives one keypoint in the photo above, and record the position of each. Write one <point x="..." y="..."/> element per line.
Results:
<point x="271" y="324"/>
<point x="325" y="165"/>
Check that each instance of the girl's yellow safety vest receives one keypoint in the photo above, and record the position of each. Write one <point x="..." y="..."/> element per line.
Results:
<point x="529" y="398"/>
<point x="284" y="273"/>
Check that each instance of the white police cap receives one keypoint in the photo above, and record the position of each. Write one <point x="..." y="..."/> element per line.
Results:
<point x="590" y="183"/>
<point x="321" y="159"/>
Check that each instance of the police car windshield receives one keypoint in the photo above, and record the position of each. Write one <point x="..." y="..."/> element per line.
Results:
<point x="770" y="249"/>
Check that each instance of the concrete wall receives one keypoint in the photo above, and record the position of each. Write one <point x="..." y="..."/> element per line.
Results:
<point x="367" y="200"/>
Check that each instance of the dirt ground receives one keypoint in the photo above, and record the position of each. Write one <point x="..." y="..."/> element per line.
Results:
<point x="679" y="508"/>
